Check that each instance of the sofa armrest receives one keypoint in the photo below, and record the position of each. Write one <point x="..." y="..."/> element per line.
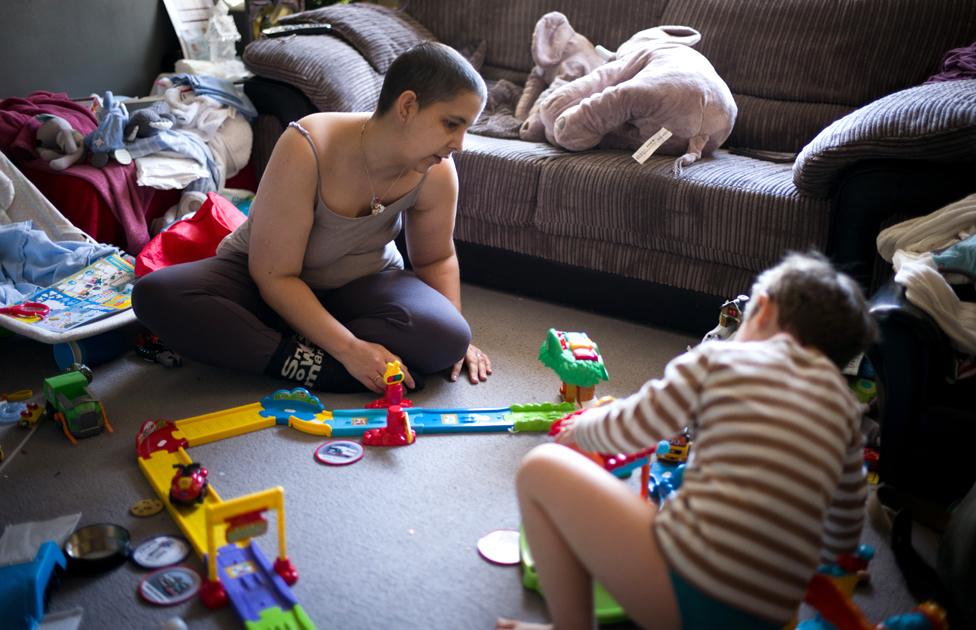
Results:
<point x="330" y="72"/>
<point x="932" y="122"/>
<point x="872" y="194"/>
<point x="343" y="70"/>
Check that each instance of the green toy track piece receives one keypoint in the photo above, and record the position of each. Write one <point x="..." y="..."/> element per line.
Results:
<point x="538" y="417"/>
<point x="605" y="607"/>
<point x="274" y="618"/>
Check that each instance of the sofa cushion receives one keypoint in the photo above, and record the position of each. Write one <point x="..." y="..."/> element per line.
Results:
<point x="379" y="34"/>
<point x="507" y="26"/>
<point x="729" y="209"/>
<point x="935" y="121"/>
<point x="794" y="66"/>
<point x="499" y="178"/>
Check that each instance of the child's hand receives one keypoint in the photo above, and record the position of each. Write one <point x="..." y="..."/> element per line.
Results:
<point x="566" y="434"/>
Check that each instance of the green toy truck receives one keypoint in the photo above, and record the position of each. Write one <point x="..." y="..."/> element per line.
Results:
<point x="73" y="407"/>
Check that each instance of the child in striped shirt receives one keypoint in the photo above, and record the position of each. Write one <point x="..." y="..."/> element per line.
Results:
<point x="774" y="486"/>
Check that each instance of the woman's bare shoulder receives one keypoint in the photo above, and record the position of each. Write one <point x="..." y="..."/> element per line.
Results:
<point x="328" y="123"/>
<point x="440" y="187"/>
<point x="333" y="132"/>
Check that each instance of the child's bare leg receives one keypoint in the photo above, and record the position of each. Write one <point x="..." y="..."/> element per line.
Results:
<point x="583" y="523"/>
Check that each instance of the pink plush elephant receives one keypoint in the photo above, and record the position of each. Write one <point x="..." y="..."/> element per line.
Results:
<point x="561" y="55"/>
<point x="655" y="80"/>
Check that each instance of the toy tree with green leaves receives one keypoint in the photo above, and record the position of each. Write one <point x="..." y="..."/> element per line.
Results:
<point x="575" y="358"/>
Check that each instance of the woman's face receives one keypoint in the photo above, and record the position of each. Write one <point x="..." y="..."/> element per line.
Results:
<point x="434" y="132"/>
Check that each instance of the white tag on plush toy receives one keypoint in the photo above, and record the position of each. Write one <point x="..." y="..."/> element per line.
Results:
<point x="647" y="149"/>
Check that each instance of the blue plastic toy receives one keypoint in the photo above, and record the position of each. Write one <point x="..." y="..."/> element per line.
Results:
<point x="23" y="587"/>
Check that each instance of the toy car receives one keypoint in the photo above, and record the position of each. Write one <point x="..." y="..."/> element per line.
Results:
<point x="151" y="348"/>
<point x="30" y="415"/>
<point x="189" y="484"/>
<point x="677" y="452"/>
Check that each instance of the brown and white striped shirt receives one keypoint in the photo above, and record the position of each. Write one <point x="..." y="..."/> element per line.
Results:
<point x="775" y="483"/>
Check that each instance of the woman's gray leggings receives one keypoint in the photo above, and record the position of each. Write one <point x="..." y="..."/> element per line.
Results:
<point x="211" y="311"/>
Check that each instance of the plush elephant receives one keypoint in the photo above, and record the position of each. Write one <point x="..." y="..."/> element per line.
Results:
<point x="57" y="143"/>
<point x="654" y="80"/>
<point x="561" y="55"/>
<point x="145" y="123"/>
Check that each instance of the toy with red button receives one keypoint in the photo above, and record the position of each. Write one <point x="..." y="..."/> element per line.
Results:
<point x="393" y="396"/>
<point x="619" y="464"/>
<point x="576" y="359"/>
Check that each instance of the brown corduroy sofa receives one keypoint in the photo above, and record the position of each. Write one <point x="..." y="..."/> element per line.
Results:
<point x="834" y="85"/>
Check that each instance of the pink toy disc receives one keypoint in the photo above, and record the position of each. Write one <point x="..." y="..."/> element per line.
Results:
<point x="500" y="546"/>
<point x="169" y="586"/>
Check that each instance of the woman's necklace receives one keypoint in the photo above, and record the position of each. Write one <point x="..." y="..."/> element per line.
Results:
<point x="375" y="205"/>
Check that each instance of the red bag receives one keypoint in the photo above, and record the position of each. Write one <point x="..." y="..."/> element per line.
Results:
<point x="191" y="239"/>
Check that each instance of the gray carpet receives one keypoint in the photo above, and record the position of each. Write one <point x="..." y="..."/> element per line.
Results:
<point x="386" y="543"/>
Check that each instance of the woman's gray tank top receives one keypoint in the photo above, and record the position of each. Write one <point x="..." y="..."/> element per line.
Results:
<point x="340" y="249"/>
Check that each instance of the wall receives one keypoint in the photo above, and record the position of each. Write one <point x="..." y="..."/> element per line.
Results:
<point x="84" y="46"/>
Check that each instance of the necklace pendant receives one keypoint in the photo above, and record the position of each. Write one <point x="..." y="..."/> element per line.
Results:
<point x="375" y="207"/>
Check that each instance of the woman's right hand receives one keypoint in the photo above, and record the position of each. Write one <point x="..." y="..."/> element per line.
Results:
<point x="366" y="362"/>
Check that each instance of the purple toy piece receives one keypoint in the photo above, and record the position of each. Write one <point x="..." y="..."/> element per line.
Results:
<point x="251" y="582"/>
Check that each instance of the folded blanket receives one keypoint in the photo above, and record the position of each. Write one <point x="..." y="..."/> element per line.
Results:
<point x="927" y="289"/>
<point x="115" y="183"/>
<point x="910" y="246"/>
<point x="959" y="63"/>
<point x="498" y="119"/>
<point x="30" y="260"/>
<point x="931" y="232"/>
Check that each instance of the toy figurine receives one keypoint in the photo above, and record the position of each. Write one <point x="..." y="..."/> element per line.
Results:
<point x="576" y="360"/>
<point x="393" y="396"/>
<point x="729" y="319"/>
<point x="189" y="485"/>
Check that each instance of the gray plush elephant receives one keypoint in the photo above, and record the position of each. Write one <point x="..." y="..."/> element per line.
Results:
<point x="561" y="55"/>
<point x="654" y="82"/>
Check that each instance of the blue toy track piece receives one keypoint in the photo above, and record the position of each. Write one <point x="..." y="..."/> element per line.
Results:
<point x="296" y="403"/>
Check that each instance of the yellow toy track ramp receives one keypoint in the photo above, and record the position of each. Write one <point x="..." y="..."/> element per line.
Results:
<point x="219" y="425"/>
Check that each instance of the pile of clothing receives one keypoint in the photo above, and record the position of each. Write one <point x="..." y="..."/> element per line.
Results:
<point x="191" y="138"/>
<point x="930" y="254"/>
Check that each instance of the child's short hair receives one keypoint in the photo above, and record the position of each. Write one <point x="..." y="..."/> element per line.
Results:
<point x="433" y="71"/>
<point x="820" y="306"/>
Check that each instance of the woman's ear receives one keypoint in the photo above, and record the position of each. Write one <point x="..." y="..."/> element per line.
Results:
<point x="406" y="105"/>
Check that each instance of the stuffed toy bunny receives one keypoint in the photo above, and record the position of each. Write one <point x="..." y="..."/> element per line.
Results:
<point x="655" y="80"/>
<point x="561" y="55"/>
<point x="57" y="143"/>
<point x="107" y="140"/>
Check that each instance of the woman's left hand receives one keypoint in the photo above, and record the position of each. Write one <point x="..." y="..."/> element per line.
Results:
<point x="479" y="366"/>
